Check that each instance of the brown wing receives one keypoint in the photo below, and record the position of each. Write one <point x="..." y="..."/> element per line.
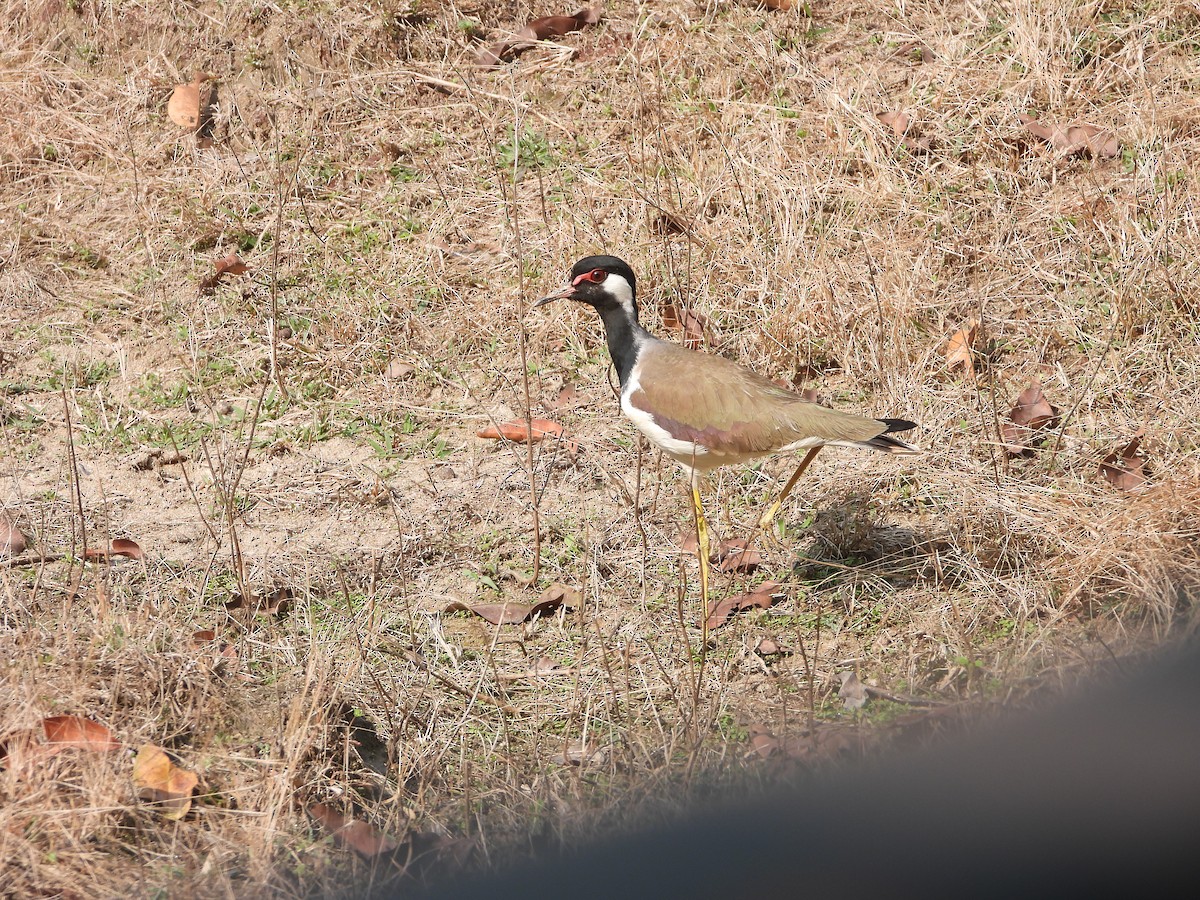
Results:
<point x="731" y="410"/>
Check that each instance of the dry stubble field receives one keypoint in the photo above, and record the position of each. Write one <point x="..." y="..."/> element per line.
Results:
<point x="306" y="429"/>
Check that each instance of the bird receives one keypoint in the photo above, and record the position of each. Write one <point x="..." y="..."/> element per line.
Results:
<point x="706" y="411"/>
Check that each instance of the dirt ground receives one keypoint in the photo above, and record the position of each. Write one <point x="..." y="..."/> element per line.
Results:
<point x="843" y="195"/>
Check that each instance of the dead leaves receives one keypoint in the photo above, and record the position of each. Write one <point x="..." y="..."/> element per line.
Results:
<point x="12" y="541"/>
<point x="729" y="556"/>
<point x="118" y="547"/>
<point x="186" y="105"/>
<point x="520" y="431"/>
<point x="228" y="265"/>
<point x="542" y="29"/>
<point x="961" y="347"/>
<point x="79" y="732"/>
<point x="163" y="783"/>
<point x="1031" y="416"/>
<point x="902" y="128"/>
<point x="513" y="613"/>
<point x="353" y="834"/>
<point x="1125" y="468"/>
<point x="761" y="597"/>
<point x="1099" y="143"/>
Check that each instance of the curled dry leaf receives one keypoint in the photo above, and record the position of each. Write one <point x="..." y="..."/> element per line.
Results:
<point x="353" y="834"/>
<point x="690" y="323"/>
<point x="77" y="731"/>
<point x="274" y="603"/>
<point x="227" y="265"/>
<point x="162" y="782"/>
<point x="520" y="431"/>
<point x="852" y="692"/>
<point x="1031" y="415"/>
<point x="961" y="347"/>
<point x="537" y="30"/>
<point x="119" y="547"/>
<point x="184" y="106"/>
<point x="1125" y="468"/>
<point x="762" y="597"/>
<point x="513" y="613"/>
<point x="1099" y="143"/>
<point x="901" y="126"/>
<point x="12" y="541"/>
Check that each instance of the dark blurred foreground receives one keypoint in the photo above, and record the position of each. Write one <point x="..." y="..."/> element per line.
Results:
<point x="1097" y="796"/>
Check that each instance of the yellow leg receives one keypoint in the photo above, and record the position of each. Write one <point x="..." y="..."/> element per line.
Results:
<point x="767" y="522"/>
<point x="702" y="551"/>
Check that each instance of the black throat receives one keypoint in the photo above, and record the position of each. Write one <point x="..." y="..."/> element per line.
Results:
<point x="625" y="339"/>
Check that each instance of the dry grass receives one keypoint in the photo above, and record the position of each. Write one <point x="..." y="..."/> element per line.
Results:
<point x="386" y="219"/>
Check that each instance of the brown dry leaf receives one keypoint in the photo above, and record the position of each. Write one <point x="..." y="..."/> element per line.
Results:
<point x="901" y="126"/>
<point x="12" y="542"/>
<point x="737" y="556"/>
<point x="762" y="597"/>
<point x="398" y="369"/>
<point x="542" y="29"/>
<point x="1125" y="468"/>
<point x="852" y="692"/>
<point x="184" y="106"/>
<point x="961" y="346"/>
<point x="364" y="839"/>
<point x="691" y="324"/>
<point x="514" y="613"/>
<point x="781" y="5"/>
<point x="1100" y="143"/>
<point x="276" y="603"/>
<point x="1030" y="415"/>
<point x="564" y="399"/>
<point x="77" y="731"/>
<point x="209" y="636"/>
<point x="519" y="431"/>
<point x="119" y="547"/>
<point x="555" y="596"/>
<point x="162" y="782"/>
<point x="227" y="265"/>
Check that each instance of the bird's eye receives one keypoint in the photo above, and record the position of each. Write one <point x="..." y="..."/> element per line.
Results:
<point x="597" y="275"/>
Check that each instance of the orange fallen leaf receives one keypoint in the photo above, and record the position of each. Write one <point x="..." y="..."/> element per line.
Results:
<point x="520" y="431"/>
<point x="184" y="106"/>
<point x="1099" y="143"/>
<point x="961" y="346"/>
<point x="542" y="29"/>
<point x="1124" y="468"/>
<point x="77" y="731"/>
<point x="162" y="782"/>
<point x="119" y="547"/>
<point x="353" y="834"/>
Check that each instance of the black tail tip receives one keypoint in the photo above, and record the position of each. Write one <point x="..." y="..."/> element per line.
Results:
<point x="895" y="426"/>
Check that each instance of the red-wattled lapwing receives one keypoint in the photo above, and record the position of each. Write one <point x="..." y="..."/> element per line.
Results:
<point x="705" y="411"/>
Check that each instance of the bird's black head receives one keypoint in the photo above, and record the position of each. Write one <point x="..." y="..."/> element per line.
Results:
<point x="600" y="281"/>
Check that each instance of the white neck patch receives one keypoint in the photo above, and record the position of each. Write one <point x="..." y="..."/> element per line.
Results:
<point x="620" y="290"/>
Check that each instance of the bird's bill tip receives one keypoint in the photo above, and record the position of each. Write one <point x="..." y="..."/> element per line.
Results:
<point x="568" y="291"/>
